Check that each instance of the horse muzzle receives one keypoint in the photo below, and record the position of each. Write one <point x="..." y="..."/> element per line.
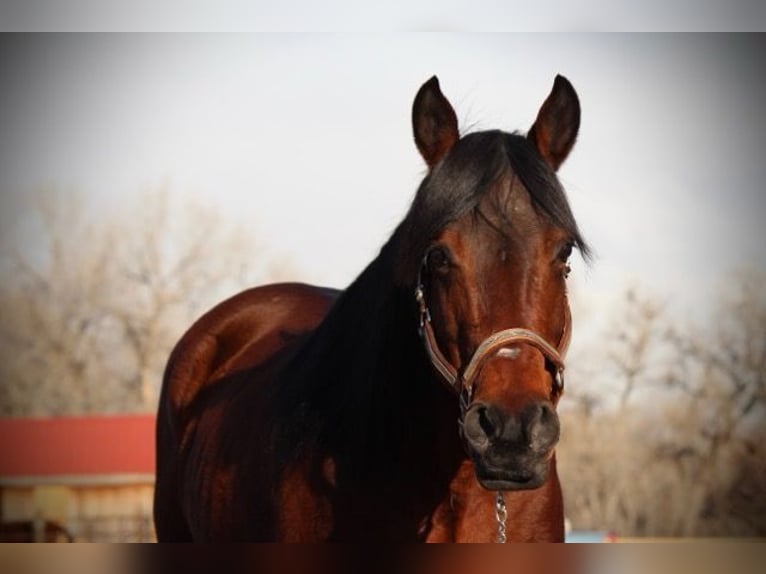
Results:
<point x="510" y="451"/>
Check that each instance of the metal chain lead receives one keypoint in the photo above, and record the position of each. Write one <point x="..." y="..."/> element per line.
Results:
<point x="501" y="514"/>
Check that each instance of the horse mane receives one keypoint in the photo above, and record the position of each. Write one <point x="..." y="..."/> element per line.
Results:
<point x="331" y="394"/>
<point x="333" y="389"/>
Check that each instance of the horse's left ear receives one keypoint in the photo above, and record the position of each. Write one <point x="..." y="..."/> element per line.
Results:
<point x="558" y="121"/>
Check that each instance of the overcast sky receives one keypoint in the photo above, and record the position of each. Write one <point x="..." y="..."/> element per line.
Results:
<point x="307" y="138"/>
<point x="400" y="15"/>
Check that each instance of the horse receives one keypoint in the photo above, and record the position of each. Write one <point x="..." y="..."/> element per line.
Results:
<point x="418" y="404"/>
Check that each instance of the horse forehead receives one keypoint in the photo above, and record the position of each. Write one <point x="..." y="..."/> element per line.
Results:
<point x="509" y="203"/>
<point x="504" y="218"/>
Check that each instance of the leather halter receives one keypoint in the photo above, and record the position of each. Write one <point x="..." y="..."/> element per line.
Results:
<point x="463" y="383"/>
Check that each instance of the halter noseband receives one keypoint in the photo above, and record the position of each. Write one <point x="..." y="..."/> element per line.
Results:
<point x="463" y="384"/>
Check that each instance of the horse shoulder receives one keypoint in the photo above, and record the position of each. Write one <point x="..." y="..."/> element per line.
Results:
<point x="242" y="332"/>
<point x="304" y="502"/>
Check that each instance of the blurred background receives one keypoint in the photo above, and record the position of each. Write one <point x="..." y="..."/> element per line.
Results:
<point x="143" y="178"/>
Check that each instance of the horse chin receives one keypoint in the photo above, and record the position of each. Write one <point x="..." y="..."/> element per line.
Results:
<point x="528" y="477"/>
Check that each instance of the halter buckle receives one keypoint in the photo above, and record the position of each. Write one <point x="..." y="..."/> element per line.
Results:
<point x="558" y="380"/>
<point x="423" y="312"/>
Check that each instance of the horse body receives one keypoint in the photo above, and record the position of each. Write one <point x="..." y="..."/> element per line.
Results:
<point x="246" y="333"/>
<point x="296" y="413"/>
<point x="424" y="489"/>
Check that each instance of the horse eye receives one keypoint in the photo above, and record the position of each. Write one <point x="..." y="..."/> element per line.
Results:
<point x="439" y="258"/>
<point x="566" y="252"/>
<point x="563" y="257"/>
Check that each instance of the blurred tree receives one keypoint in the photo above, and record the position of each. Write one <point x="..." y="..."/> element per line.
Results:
<point x="686" y="455"/>
<point x="718" y="419"/>
<point x="93" y="299"/>
<point x="633" y="345"/>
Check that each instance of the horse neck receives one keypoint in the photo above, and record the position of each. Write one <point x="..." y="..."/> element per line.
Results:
<point x="374" y="393"/>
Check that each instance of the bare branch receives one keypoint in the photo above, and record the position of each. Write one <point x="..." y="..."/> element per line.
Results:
<point x="91" y="311"/>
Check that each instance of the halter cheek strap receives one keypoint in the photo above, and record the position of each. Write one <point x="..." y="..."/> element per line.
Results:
<point x="463" y="384"/>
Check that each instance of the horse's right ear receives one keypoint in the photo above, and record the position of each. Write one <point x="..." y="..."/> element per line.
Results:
<point x="434" y="123"/>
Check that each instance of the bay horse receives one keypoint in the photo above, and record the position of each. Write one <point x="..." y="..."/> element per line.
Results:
<point x="419" y="404"/>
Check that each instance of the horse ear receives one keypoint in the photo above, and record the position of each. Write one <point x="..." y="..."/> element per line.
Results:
<point x="558" y="121"/>
<point x="434" y="123"/>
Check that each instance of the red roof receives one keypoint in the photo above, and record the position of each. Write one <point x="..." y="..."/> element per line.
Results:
<point x="93" y="445"/>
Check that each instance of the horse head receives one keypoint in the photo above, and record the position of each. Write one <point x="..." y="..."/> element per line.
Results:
<point x="486" y="250"/>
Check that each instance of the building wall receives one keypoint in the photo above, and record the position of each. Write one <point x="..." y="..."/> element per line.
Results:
<point x="18" y="503"/>
<point x="98" y="513"/>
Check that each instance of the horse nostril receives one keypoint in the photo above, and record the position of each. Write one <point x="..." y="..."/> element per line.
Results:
<point x="481" y="425"/>
<point x="544" y="414"/>
<point x="488" y="425"/>
<point x="541" y="426"/>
